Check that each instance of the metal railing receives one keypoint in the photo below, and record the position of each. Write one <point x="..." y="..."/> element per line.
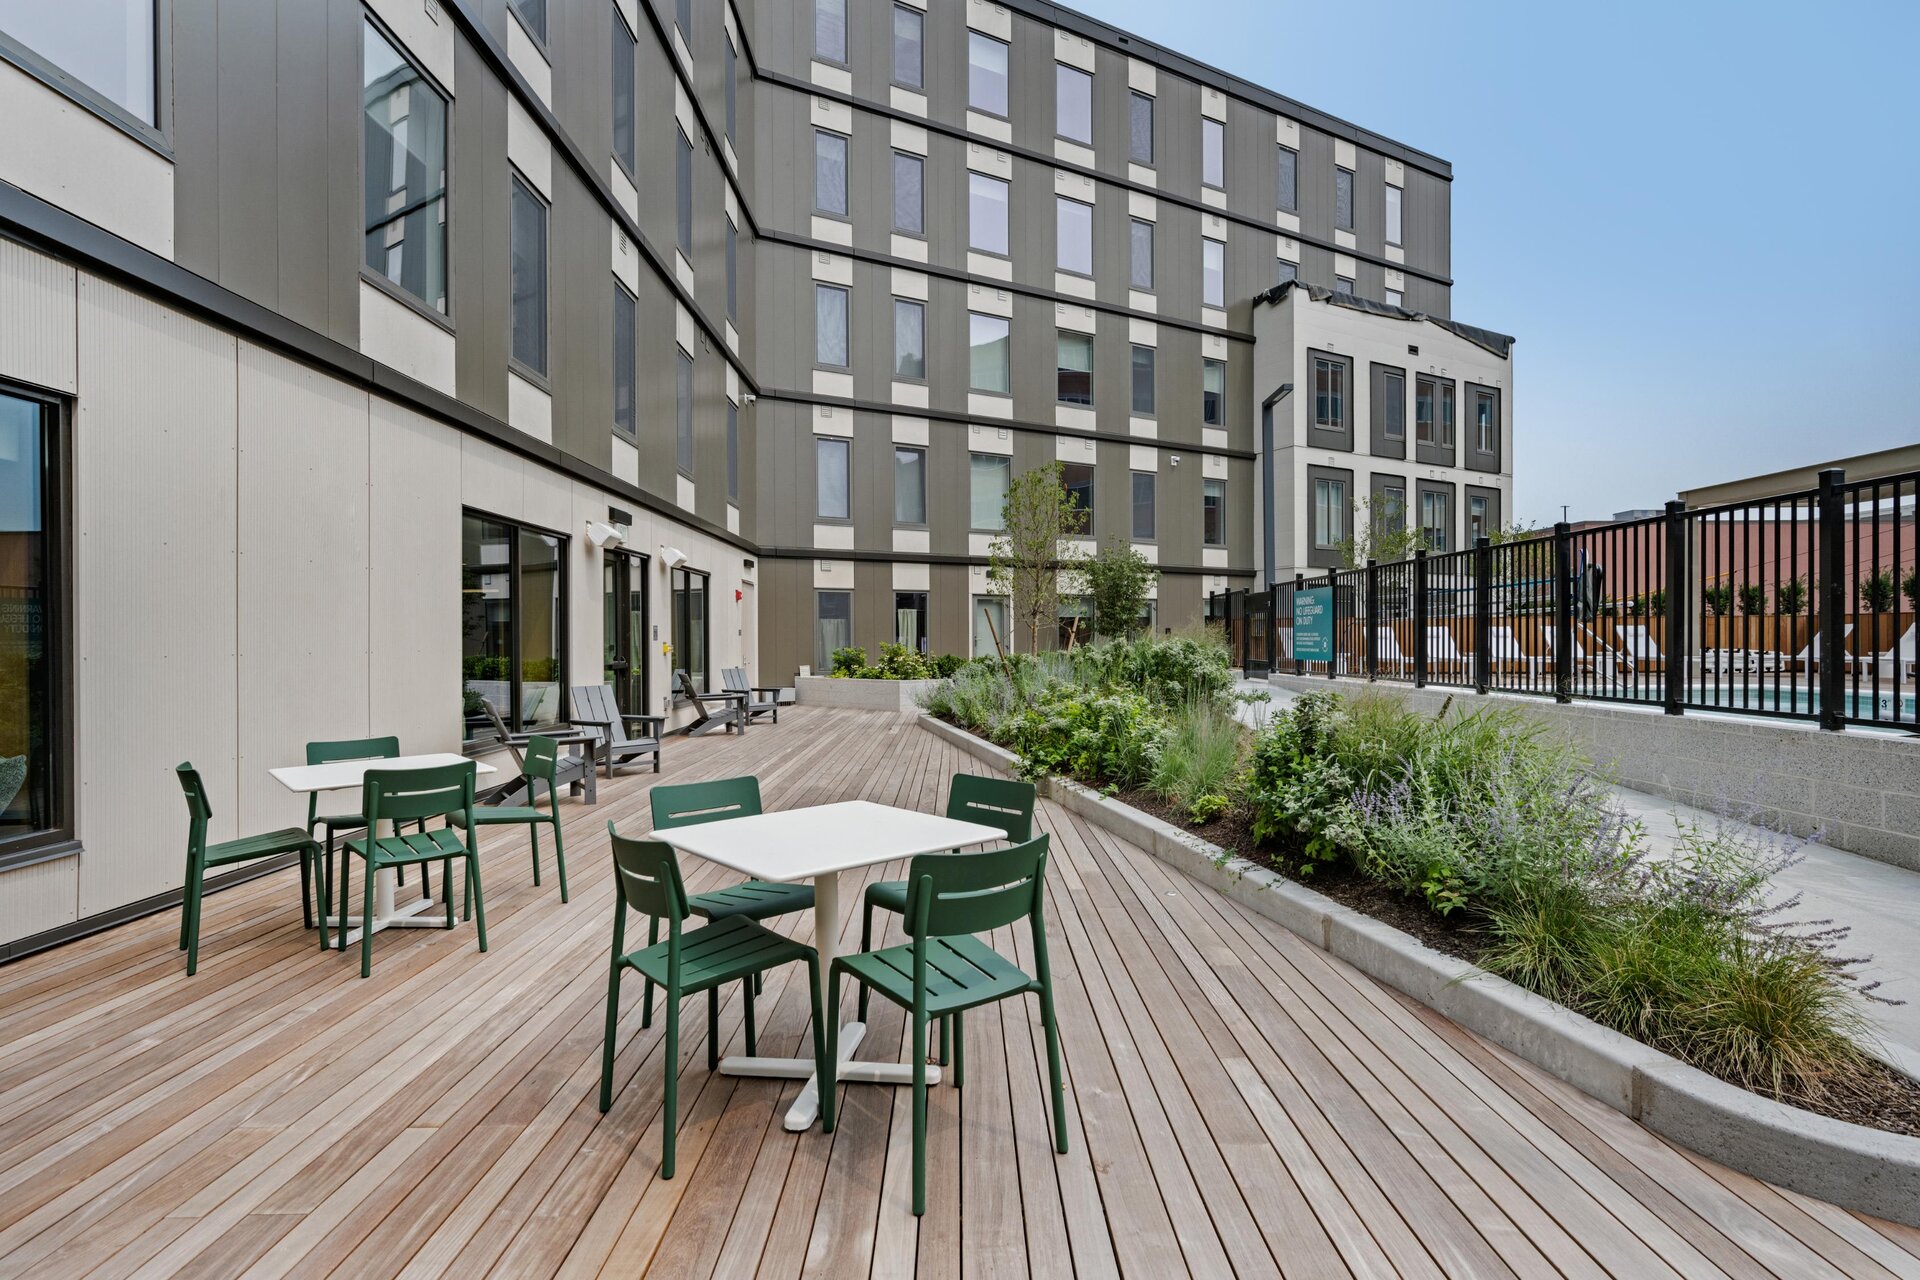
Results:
<point x="1801" y="606"/>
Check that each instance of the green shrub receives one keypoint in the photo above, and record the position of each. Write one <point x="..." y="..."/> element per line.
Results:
<point x="1297" y="790"/>
<point x="1199" y="765"/>
<point x="849" y="662"/>
<point x="1110" y="737"/>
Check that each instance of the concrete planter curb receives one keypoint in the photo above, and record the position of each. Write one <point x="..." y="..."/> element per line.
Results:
<point x="1851" y="1166"/>
<point x="862" y="695"/>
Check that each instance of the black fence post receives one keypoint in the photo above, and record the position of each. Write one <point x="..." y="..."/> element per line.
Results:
<point x="1372" y="620"/>
<point x="1679" y="593"/>
<point x="1563" y="612"/>
<point x="1299" y="582"/>
<point x="1482" y="614"/>
<point x="1420" y="618"/>
<point x="1833" y="598"/>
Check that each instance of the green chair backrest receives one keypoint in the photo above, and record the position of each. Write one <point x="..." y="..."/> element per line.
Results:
<point x="538" y="758"/>
<point x="1006" y="803"/>
<point x="691" y="803"/>
<point x="402" y="795"/>
<point x="346" y="749"/>
<point x="199" y="812"/>
<point x="956" y="893"/>
<point x="648" y="875"/>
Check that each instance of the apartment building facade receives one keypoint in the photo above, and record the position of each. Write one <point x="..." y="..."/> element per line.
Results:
<point x="368" y="365"/>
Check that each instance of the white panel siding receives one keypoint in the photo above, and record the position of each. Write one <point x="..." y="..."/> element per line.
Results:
<point x="490" y="478"/>
<point x="38" y="898"/>
<point x="302" y="575"/>
<point x="70" y="157"/>
<point x="154" y="575"/>
<point x="36" y="318"/>
<point x="398" y="336"/>
<point x="413" y="626"/>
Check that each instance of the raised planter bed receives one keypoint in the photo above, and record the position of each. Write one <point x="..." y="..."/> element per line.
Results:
<point x="1852" y="1166"/>
<point x="862" y="695"/>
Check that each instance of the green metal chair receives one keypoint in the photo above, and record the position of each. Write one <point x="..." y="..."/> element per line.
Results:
<point x="201" y="856"/>
<point x="385" y="748"/>
<point x="403" y="795"/>
<point x="647" y="878"/>
<point x="945" y="970"/>
<point x="1006" y="803"/>
<point x="692" y="803"/>
<point x="539" y="763"/>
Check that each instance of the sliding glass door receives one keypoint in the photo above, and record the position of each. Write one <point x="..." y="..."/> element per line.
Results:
<point x="625" y="626"/>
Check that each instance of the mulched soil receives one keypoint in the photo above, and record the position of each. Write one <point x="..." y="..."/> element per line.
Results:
<point x="1881" y="1099"/>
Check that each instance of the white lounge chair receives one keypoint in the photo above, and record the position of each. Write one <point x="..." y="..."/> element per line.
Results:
<point x="1898" y="656"/>
<point x="1642" y="650"/>
<point x="1387" y="651"/>
<point x="1443" y="652"/>
<point x="1505" y="652"/>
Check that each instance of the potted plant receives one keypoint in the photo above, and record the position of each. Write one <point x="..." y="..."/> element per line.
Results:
<point x="1790" y="598"/>
<point x="1878" y="591"/>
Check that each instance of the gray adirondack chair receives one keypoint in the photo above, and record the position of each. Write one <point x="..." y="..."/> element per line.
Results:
<point x="595" y="708"/>
<point x="567" y="769"/>
<point x="732" y="717"/>
<point x="735" y="680"/>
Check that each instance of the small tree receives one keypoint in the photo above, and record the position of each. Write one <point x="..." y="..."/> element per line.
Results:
<point x="1026" y="559"/>
<point x="1718" y="600"/>
<point x="1752" y="599"/>
<point x="1878" y="589"/>
<point x="1118" y="579"/>
<point x="1385" y="539"/>
<point x="1790" y="598"/>
<point x="1910" y="588"/>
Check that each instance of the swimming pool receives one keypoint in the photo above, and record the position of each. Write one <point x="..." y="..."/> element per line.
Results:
<point x="1864" y="705"/>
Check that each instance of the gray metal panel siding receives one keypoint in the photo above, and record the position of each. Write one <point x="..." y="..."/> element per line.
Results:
<point x="479" y="265"/>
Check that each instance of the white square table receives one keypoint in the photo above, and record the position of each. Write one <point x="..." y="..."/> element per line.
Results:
<point x="350" y="775"/>
<point x="817" y="844"/>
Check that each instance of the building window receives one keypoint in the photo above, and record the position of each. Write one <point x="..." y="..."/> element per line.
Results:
<point x="909" y="485"/>
<point x="830" y="325"/>
<point x="683" y="194"/>
<point x="733" y="452"/>
<point x="991" y="474"/>
<point x="528" y="235"/>
<point x="1140" y="234"/>
<point x="682" y="18"/>
<point x="1329" y="512"/>
<point x="989" y="625"/>
<point x="832" y="626"/>
<point x="1329" y="394"/>
<point x="986" y="213"/>
<point x="1073" y="103"/>
<point x="533" y="16"/>
<point x="690" y="624"/>
<point x="107" y="48"/>
<point x="512" y="626"/>
<point x="733" y="270"/>
<point x="730" y="70"/>
<point x="1395" y="298"/>
<point x="1486" y="422"/>
<point x="1423" y="396"/>
<point x="832" y="483"/>
<point x="1392" y="516"/>
<point x="910" y="620"/>
<point x="683" y="412"/>
<point x="830" y="172"/>
<point x="1446" y="415"/>
<point x="1213" y="273"/>
<point x="1288" y="195"/>
<point x="830" y="30"/>
<point x="908" y="175"/>
<point x="1433" y="519"/>
<point x="1213" y="512"/>
<point x="1393" y="393"/>
<point x="909" y="65"/>
<point x="406" y="172"/>
<point x="986" y="74"/>
<point x="1213" y="153"/>
<point x="1076" y="480"/>
<point x="1394" y="196"/>
<point x="624" y="388"/>
<point x="1343" y="199"/>
<point x="1343" y="285"/>
<point x="624" y="47"/>
<point x="33" y="641"/>
<point x="1140" y="128"/>
<point x="1143" y="485"/>
<point x="1213" y="393"/>
<point x="1073" y="235"/>
<point x="1143" y="390"/>
<point x="1074" y="368"/>
<point x="1477" y="518"/>
<point x="909" y="338"/>
<point x="988" y="353"/>
<point x="1286" y="272"/>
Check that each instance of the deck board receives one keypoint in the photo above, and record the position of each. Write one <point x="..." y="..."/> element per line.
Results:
<point x="1238" y="1101"/>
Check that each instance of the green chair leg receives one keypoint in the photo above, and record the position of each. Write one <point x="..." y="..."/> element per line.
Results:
<point x="366" y="921"/>
<point x="866" y="944"/>
<point x="446" y="878"/>
<point x="826" y="1048"/>
<point x="713" y="1028"/>
<point x="670" y="1103"/>
<point x="190" y="911"/>
<point x="533" y="835"/>
<point x="306" y="891"/>
<point x="959" y="1049"/>
<point x="479" y="903"/>
<point x="326" y="890"/>
<point x="646" y="998"/>
<point x="1053" y="1068"/>
<point x="560" y="859"/>
<point x="944" y="1051"/>
<point x="919" y="1113"/>
<point x="606" y="1047"/>
<point x="746" y="996"/>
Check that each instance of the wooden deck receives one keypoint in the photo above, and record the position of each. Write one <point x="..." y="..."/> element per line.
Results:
<point x="1239" y="1104"/>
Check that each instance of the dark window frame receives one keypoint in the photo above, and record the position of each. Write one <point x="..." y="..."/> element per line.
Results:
<point x="1006" y="113"/>
<point x="1152" y="367"/>
<point x="368" y="272"/>
<point x="1061" y="372"/>
<point x="821" y="136"/>
<point x="516" y="674"/>
<point x="846" y="20"/>
<point x="1061" y="69"/>
<point x="1152" y="505"/>
<point x="1060" y="204"/>
<point x="629" y="159"/>
<point x="1069" y="474"/>
<point x="919" y="162"/>
<point x="1133" y="254"/>
<point x="1340" y="172"/>
<point x="518" y="182"/>
<point x="821" y="446"/>
<point x="1287" y="179"/>
<point x="1219" y="417"/>
<point x="919" y="83"/>
<point x="630" y="431"/>
<point x="682" y="623"/>
<point x="683" y="193"/>
<point x="1209" y="487"/>
<point x="914" y="304"/>
<point x="686" y="390"/>
<point x="156" y="135"/>
<point x="1221" y="125"/>
<point x="733" y="452"/>
<point x="920" y="452"/>
<point x="846" y="325"/>
<point x="1134" y="99"/>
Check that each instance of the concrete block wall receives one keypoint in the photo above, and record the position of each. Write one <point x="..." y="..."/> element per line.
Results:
<point x="1859" y="788"/>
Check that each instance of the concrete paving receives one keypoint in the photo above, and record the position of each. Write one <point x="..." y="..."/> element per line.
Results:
<point x="1880" y="903"/>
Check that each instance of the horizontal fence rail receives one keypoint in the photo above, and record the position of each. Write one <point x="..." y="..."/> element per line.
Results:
<point x="1800" y="606"/>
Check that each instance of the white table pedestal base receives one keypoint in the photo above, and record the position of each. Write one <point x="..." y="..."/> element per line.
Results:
<point x="806" y="1108"/>
<point x="386" y="915"/>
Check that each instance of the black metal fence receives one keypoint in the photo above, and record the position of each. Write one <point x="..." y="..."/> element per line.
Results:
<point x="1800" y="606"/>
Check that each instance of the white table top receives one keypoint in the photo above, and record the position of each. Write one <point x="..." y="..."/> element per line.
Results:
<point x="799" y="844"/>
<point x="345" y="775"/>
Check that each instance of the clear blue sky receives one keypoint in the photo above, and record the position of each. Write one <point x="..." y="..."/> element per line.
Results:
<point x="1700" y="220"/>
